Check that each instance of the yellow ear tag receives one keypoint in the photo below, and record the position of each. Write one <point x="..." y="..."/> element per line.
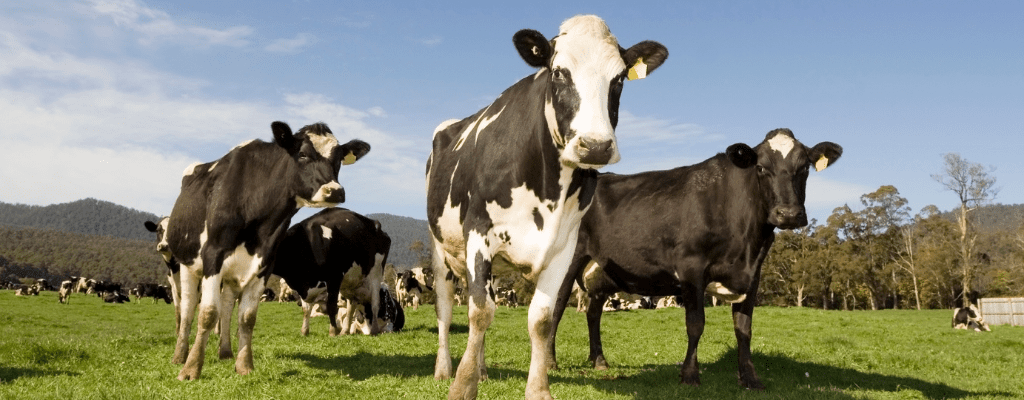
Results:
<point x="821" y="164"/>
<point x="638" y="71"/>
<point x="349" y="159"/>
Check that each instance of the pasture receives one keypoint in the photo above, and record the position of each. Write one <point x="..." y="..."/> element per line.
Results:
<point x="92" y="350"/>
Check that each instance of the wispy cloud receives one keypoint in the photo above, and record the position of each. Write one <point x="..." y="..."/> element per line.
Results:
<point x="430" y="41"/>
<point x="155" y="26"/>
<point x="291" y="46"/>
<point x="648" y="129"/>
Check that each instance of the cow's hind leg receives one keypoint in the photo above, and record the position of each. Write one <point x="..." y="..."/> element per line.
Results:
<point x="208" y="310"/>
<point x="694" y="305"/>
<point x="472" y="368"/>
<point x="443" y="308"/>
<point x="742" y="318"/>
<point x="228" y="294"/>
<point x="247" y="307"/>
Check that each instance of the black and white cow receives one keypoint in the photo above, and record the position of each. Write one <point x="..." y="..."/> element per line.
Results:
<point x="507" y="186"/>
<point x="337" y="251"/>
<point x="411" y="289"/>
<point x="173" y="267"/>
<point x="969" y="318"/>
<point x="66" y="288"/>
<point x="228" y="220"/>
<point x="706" y="227"/>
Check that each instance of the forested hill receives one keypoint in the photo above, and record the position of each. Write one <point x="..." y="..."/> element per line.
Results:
<point x="87" y="216"/>
<point x="995" y="217"/>
<point x="404" y="231"/>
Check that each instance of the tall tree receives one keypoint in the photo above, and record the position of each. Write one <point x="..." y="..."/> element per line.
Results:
<point x="974" y="185"/>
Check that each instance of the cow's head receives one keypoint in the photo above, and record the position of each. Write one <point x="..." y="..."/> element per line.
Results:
<point x="160" y="229"/>
<point x="584" y="68"/>
<point x="318" y="157"/>
<point x="782" y="166"/>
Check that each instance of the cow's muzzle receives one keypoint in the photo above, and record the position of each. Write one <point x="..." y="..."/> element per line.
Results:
<point x="788" y="217"/>
<point x="595" y="152"/>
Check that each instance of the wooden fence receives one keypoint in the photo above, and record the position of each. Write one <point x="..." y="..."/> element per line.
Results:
<point x="1003" y="310"/>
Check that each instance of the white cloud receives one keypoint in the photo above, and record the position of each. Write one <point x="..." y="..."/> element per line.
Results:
<point x="824" y="195"/>
<point x="291" y="46"/>
<point x="156" y="26"/>
<point x="430" y="41"/>
<point x="666" y="132"/>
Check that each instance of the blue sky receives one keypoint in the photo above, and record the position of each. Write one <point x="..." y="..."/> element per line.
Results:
<point x="113" y="99"/>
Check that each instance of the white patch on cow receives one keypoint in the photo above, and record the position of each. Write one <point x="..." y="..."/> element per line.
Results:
<point x="591" y="272"/>
<point x="477" y="126"/>
<point x="444" y="125"/>
<point x="590" y="52"/>
<point x="551" y="118"/>
<point x="319" y="199"/>
<point x="191" y="169"/>
<point x="243" y="144"/>
<point x="723" y="293"/>
<point x="782" y="144"/>
<point x="324" y="144"/>
<point x="327" y="233"/>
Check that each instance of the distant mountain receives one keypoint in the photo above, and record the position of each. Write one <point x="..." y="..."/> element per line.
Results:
<point x="404" y="231"/>
<point x="87" y="216"/>
<point x="994" y="218"/>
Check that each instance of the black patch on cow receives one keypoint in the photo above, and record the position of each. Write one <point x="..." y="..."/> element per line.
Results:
<point x="538" y="219"/>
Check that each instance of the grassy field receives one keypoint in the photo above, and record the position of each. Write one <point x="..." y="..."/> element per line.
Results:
<point x="92" y="350"/>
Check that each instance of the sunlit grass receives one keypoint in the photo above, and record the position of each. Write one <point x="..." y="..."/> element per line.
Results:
<point x="89" y="349"/>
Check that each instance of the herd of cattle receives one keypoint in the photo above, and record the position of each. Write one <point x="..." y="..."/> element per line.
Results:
<point x="513" y="187"/>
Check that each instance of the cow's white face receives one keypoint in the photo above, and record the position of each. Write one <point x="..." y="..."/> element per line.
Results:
<point x="587" y="73"/>
<point x="584" y="68"/>
<point x="160" y="229"/>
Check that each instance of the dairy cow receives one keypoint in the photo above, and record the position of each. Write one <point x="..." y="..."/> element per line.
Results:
<point x="507" y="186"/>
<point x="173" y="267"/>
<point x="691" y="230"/>
<point x="66" y="288"/>
<point x="969" y="318"/>
<point x="228" y="220"/>
<point x="339" y="252"/>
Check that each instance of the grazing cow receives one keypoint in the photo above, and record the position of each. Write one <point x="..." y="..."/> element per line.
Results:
<point x="706" y="227"/>
<point x="80" y="284"/>
<point x="507" y="186"/>
<point x="173" y="267"/>
<point x="228" y="220"/>
<point x="969" y="318"/>
<point x="66" y="288"/>
<point x="280" y="289"/>
<point x="337" y="251"/>
<point x="410" y="290"/>
<point x="390" y="317"/>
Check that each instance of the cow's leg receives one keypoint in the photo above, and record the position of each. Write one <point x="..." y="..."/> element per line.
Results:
<point x="564" y="293"/>
<point x="694" y="304"/>
<point x="228" y="294"/>
<point x="208" y="313"/>
<point x="331" y="308"/>
<point x="541" y="322"/>
<point x="307" y="310"/>
<point x="742" y="319"/>
<point x="443" y="307"/>
<point x="189" y="287"/>
<point x="472" y="368"/>
<point x="248" y="304"/>
<point x="597" y="359"/>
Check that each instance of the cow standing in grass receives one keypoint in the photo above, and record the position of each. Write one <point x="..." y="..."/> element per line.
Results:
<point x="228" y="220"/>
<point x="507" y="186"/>
<point x="691" y="230"/>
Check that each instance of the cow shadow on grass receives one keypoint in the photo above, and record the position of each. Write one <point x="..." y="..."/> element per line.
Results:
<point x="365" y="365"/>
<point x="10" y="374"/>
<point x="780" y="374"/>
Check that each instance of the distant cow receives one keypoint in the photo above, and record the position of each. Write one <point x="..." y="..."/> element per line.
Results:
<point x="337" y="251"/>
<point x="507" y="186"/>
<point x="228" y="220"/>
<point x="26" y="290"/>
<point x="117" y="297"/>
<point x="706" y="227"/>
<point x="80" y="284"/>
<point x="390" y="317"/>
<point x="411" y="289"/>
<point x="66" y="287"/>
<point x="969" y="318"/>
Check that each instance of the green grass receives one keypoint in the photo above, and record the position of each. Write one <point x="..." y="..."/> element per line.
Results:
<point x="92" y="350"/>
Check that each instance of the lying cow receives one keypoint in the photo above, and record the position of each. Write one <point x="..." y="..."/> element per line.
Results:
<point x="337" y="251"/>
<point x="969" y="318"/>
<point x="706" y="227"/>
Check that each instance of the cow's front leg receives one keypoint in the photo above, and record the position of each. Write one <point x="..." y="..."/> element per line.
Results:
<point x="597" y="359"/>
<point x="541" y="320"/>
<point x="247" y="306"/>
<point x="473" y="368"/>
<point x="742" y="319"/>
<point x="693" y="302"/>
<point x="307" y="312"/>
<point x="190" y="278"/>
<point x="331" y="308"/>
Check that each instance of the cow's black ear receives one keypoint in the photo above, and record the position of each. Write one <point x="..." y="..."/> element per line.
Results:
<point x="533" y="47"/>
<point x="150" y="226"/>
<point x="741" y="155"/>
<point x="283" y="135"/>
<point x="653" y="54"/>
<point x="353" y="150"/>
<point x="824" y="154"/>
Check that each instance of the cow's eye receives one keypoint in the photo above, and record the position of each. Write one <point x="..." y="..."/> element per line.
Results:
<point x="303" y="157"/>
<point x="558" y="75"/>
<point x="760" y="169"/>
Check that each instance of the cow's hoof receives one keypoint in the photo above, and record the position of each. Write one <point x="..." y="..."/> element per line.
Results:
<point x="226" y="355"/>
<point x="186" y="375"/>
<point x="600" y="363"/>
<point x="243" y="370"/>
<point x="462" y="392"/>
<point x="751" y="383"/>
<point x="692" y="379"/>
